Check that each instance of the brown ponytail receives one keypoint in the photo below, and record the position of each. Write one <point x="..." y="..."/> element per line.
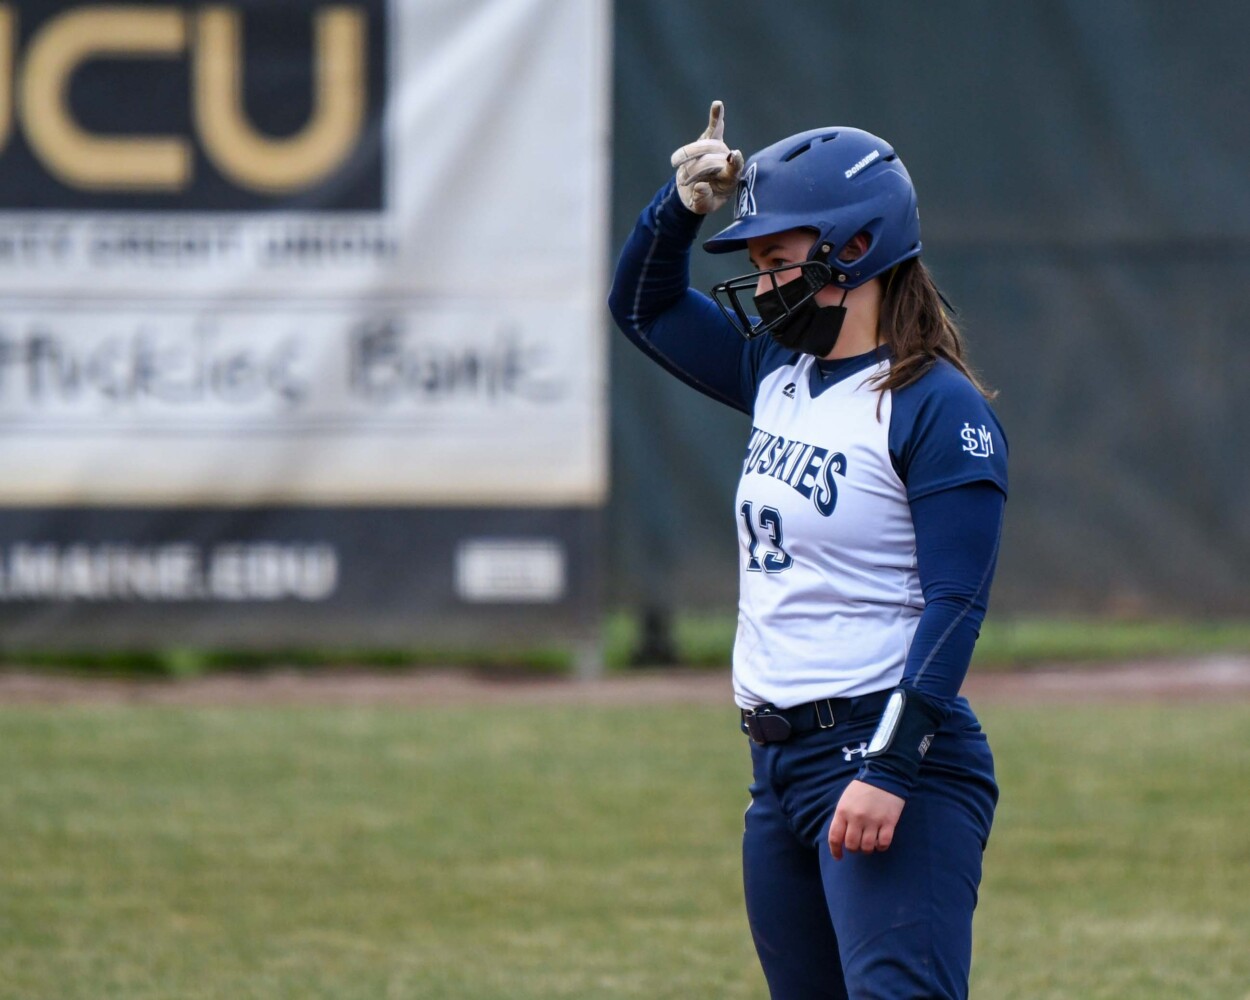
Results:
<point x="917" y="328"/>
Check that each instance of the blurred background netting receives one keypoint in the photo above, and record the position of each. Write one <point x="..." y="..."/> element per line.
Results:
<point x="1082" y="171"/>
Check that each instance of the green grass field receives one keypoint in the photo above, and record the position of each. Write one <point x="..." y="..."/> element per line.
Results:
<point x="568" y="853"/>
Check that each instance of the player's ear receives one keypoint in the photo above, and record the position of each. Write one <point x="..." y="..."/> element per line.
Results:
<point x="855" y="247"/>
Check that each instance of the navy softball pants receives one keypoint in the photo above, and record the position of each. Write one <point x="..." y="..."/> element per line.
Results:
<point x="894" y="925"/>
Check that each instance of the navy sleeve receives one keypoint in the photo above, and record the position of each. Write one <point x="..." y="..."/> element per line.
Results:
<point x="943" y="434"/>
<point x="951" y="454"/>
<point x="957" y="537"/>
<point x="681" y="329"/>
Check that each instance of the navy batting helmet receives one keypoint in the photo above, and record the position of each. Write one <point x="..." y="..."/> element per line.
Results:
<point x="838" y="181"/>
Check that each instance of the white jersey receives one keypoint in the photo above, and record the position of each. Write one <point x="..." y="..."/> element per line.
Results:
<point x="830" y="595"/>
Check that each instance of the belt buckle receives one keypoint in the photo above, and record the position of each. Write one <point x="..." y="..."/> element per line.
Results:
<point x="764" y="726"/>
<point x="827" y="704"/>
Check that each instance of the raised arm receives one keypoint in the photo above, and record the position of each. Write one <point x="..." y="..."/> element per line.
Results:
<point x="651" y="299"/>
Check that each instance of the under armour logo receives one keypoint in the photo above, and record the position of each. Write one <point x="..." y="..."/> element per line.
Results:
<point x="850" y="752"/>
<point x="746" y="194"/>
<point x="788" y="391"/>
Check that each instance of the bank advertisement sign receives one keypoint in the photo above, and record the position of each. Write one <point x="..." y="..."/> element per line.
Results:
<point x="271" y="254"/>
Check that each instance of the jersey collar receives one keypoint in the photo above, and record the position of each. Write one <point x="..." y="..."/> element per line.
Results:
<point x="825" y="374"/>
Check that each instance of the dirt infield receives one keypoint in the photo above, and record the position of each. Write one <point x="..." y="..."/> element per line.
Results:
<point x="1215" y="678"/>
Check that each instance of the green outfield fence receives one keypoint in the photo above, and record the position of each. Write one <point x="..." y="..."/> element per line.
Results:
<point x="1081" y="171"/>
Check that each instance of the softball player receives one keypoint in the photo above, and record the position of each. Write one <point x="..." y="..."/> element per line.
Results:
<point x="868" y="517"/>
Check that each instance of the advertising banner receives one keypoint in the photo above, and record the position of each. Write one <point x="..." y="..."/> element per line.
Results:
<point x="273" y="256"/>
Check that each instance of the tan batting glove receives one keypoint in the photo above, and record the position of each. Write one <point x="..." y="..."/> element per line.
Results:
<point x="707" y="169"/>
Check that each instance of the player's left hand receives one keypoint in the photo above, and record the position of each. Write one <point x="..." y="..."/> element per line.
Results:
<point x="864" y="820"/>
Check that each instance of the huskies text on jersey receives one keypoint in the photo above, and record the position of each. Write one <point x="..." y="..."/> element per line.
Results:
<point x="806" y="468"/>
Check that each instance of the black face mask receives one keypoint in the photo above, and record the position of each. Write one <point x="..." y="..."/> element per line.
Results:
<point x="798" y="325"/>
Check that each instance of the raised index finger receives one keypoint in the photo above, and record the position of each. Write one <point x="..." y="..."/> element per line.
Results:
<point x="715" y="122"/>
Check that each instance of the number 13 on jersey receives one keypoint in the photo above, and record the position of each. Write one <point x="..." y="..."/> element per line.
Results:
<point x="773" y="558"/>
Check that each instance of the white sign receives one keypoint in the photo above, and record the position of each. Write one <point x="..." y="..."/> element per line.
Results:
<point x="443" y="346"/>
<point x="511" y="570"/>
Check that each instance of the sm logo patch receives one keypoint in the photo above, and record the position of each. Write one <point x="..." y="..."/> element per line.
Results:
<point x="247" y="105"/>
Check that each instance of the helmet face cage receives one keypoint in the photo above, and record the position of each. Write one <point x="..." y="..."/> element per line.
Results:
<point x="728" y="295"/>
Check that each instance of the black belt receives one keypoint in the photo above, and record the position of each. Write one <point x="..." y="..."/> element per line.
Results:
<point x="770" y="724"/>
